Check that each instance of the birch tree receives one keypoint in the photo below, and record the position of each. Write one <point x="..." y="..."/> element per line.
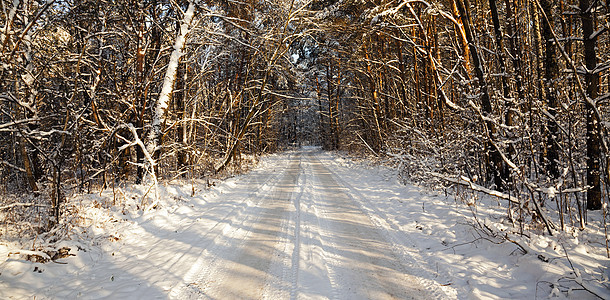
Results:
<point x="162" y="103"/>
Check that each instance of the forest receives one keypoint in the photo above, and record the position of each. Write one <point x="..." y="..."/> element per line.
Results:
<point x="507" y="98"/>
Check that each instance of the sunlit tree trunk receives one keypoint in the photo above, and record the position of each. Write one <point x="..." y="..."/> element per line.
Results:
<point x="495" y="162"/>
<point x="461" y="34"/>
<point x="162" y="102"/>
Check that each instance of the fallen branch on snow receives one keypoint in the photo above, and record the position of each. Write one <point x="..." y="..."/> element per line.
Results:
<point x="43" y="256"/>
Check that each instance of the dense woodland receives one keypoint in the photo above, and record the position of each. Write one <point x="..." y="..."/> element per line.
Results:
<point x="510" y="98"/>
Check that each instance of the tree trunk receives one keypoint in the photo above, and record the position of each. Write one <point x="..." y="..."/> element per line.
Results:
<point x="375" y="105"/>
<point x="593" y="127"/>
<point x="168" y="82"/>
<point x="331" y="123"/>
<point x="551" y="159"/>
<point x="499" y="48"/>
<point x="27" y="165"/>
<point x="182" y="115"/>
<point x="323" y="128"/>
<point x="495" y="162"/>
<point x="506" y="92"/>
<point x="461" y="35"/>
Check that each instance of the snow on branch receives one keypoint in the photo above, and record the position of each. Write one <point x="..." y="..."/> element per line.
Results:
<point x="8" y="164"/>
<point x="22" y="205"/>
<point x="596" y="34"/>
<point x="147" y="155"/>
<point x="22" y="121"/>
<point x="475" y="187"/>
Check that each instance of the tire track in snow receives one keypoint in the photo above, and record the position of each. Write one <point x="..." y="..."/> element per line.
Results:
<point x="309" y="270"/>
<point x="296" y="251"/>
<point x="418" y="265"/>
<point x="363" y="263"/>
<point x="325" y="251"/>
<point x="329" y="258"/>
<point x="241" y="263"/>
<point x="255" y="270"/>
<point x="192" y="285"/>
<point x="283" y="277"/>
<point x="168" y="246"/>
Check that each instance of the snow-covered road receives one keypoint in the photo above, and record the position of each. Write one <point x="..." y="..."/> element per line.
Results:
<point x="305" y="238"/>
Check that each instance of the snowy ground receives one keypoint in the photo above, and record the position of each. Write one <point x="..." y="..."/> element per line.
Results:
<point x="305" y="224"/>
